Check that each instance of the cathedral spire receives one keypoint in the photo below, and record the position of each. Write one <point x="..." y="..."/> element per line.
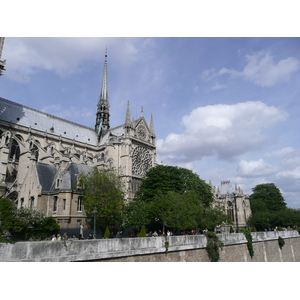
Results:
<point x="102" y="116"/>
<point x="127" y="120"/>
<point x="152" y="132"/>
<point x="152" y="126"/>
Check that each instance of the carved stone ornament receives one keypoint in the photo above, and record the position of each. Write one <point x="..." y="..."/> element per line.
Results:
<point x="141" y="132"/>
<point x="141" y="161"/>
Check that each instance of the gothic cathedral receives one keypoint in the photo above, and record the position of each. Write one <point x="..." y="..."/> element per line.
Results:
<point x="42" y="156"/>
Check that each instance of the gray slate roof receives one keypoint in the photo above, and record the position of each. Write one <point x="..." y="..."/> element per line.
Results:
<point x="29" y="117"/>
<point x="46" y="174"/>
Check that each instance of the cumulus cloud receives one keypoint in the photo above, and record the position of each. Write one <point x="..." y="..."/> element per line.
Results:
<point x="254" y="168"/>
<point x="260" y="69"/>
<point x="222" y="130"/>
<point x="64" y="56"/>
<point x="218" y="86"/>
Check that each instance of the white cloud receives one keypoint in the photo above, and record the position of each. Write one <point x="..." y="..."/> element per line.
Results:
<point x="218" y="86"/>
<point x="64" y="56"/>
<point x="255" y="168"/>
<point x="222" y="130"/>
<point x="260" y="69"/>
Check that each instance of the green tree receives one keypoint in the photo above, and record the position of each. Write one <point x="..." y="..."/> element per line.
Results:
<point x="212" y="217"/>
<point x="176" y="210"/>
<point x="7" y="210"/>
<point x="103" y="189"/>
<point x="174" y="179"/>
<point x="266" y="197"/>
<point x="174" y="197"/>
<point x="26" y="219"/>
<point x="24" y="222"/>
<point x="268" y="207"/>
<point x="137" y="214"/>
<point x="45" y="229"/>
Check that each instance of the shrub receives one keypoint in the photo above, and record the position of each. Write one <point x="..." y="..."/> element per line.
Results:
<point x="298" y="229"/>
<point x="248" y="236"/>
<point x="213" y="245"/>
<point x="231" y="230"/>
<point x="106" y="233"/>
<point x="281" y="242"/>
<point x="143" y="232"/>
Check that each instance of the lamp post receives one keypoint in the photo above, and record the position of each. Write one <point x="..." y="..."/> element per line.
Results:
<point x="95" y="212"/>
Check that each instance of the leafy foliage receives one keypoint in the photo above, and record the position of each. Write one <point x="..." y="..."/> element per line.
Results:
<point x="142" y="232"/>
<point x="104" y="190"/>
<point x="269" y="209"/>
<point x="213" y="246"/>
<point x="248" y="237"/>
<point x="25" y="222"/>
<point x="137" y="214"/>
<point x="266" y="197"/>
<point x="173" y="197"/>
<point x="179" y="180"/>
<point x="281" y="242"/>
<point x="106" y="233"/>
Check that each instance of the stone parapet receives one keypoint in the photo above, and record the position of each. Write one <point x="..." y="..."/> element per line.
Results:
<point x="177" y="248"/>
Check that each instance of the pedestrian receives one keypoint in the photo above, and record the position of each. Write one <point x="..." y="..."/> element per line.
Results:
<point x="155" y="234"/>
<point x="58" y="237"/>
<point x="91" y="237"/>
<point x="53" y="238"/>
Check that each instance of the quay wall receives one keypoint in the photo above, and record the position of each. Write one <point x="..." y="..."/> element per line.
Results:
<point x="190" y="248"/>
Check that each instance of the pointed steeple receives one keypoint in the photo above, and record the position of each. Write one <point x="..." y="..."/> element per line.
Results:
<point x="152" y="126"/>
<point x="127" y="119"/>
<point x="152" y="132"/>
<point x="102" y="116"/>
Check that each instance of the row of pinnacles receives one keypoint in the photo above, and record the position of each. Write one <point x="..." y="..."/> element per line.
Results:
<point x="235" y="203"/>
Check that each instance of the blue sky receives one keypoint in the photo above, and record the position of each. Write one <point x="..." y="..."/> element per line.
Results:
<point x="226" y="108"/>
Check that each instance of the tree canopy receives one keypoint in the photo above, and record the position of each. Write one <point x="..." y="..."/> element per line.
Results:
<point x="172" y="197"/>
<point x="104" y="190"/>
<point x="269" y="208"/>
<point x="24" y="222"/>
<point x="174" y="179"/>
<point x="266" y="197"/>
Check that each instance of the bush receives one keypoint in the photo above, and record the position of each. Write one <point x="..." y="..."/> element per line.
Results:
<point x="231" y="230"/>
<point x="213" y="245"/>
<point x="298" y="229"/>
<point x="281" y="242"/>
<point x="143" y="232"/>
<point x="248" y="236"/>
<point x="106" y="233"/>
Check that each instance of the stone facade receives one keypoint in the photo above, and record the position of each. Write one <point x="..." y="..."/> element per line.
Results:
<point x="41" y="156"/>
<point x="235" y="203"/>
<point x="153" y="249"/>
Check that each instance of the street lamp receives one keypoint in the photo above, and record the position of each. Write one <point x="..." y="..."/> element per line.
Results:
<point x="95" y="212"/>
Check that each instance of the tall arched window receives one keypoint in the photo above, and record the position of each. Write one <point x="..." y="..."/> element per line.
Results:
<point x="34" y="150"/>
<point x="14" y="153"/>
<point x="230" y="211"/>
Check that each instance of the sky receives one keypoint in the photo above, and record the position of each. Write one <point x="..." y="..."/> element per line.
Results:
<point x="226" y="108"/>
<point x="223" y="106"/>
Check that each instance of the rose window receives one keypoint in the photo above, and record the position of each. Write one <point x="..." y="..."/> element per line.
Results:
<point x="141" y="161"/>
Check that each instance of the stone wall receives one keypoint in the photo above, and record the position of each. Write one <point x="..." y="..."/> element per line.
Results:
<point x="180" y="248"/>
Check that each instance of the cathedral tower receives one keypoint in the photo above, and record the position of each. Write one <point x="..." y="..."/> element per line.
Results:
<point x="102" y="116"/>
